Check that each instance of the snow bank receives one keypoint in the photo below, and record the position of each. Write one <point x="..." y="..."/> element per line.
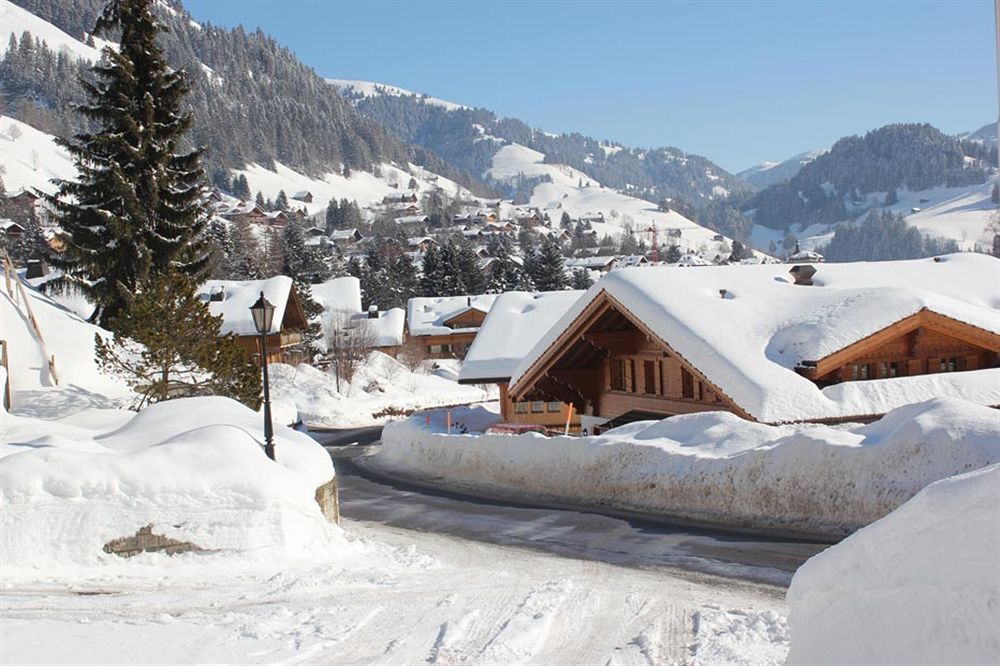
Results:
<point x="383" y="388"/>
<point x="193" y="468"/>
<point x="714" y="467"/>
<point x="920" y="586"/>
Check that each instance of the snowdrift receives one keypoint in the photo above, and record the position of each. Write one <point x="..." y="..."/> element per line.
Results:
<point x="714" y="467"/>
<point x="382" y="388"/>
<point x="193" y="468"/>
<point x="920" y="586"/>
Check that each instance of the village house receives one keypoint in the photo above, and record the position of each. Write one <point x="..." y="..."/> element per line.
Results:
<point x="849" y="342"/>
<point x="232" y="300"/>
<point x="447" y="325"/>
<point x="515" y="323"/>
<point x="344" y="238"/>
<point x="10" y="229"/>
<point x="593" y="263"/>
<point x="304" y="196"/>
<point x="341" y="298"/>
<point x="404" y="198"/>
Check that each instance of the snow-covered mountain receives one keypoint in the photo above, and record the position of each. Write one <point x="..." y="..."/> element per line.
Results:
<point x="355" y="88"/>
<point x="986" y="134"/>
<point x="768" y="173"/>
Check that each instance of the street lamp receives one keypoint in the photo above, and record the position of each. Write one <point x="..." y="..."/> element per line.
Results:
<point x="263" y="313"/>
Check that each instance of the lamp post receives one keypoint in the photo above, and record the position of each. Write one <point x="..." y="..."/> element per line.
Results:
<point x="263" y="314"/>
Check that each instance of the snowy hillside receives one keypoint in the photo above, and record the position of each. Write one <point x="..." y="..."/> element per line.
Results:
<point x="31" y="159"/>
<point x="15" y="20"/>
<point x="768" y="173"/>
<point x="953" y="213"/>
<point x="576" y="193"/>
<point x="986" y="134"/>
<point x="354" y="88"/>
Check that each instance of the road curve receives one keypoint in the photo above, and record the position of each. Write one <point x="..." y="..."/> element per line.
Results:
<point x="620" y="540"/>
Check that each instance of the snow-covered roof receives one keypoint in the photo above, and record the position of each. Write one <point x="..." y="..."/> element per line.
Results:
<point x="749" y="341"/>
<point x="239" y="295"/>
<point x="426" y="315"/>
<point x="517" y="320"/>
<point x="590" y="262"/>
<point x="387" y="328"/>
<point x="341" y="294"/>
<point x="412" y="219"/>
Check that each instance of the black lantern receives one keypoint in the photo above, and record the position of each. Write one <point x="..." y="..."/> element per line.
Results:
<point x="263" y="316"/>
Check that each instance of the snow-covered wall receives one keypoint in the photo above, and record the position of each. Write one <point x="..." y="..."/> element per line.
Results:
<point x="920" y="586"/>
<point x="714" y="467"/>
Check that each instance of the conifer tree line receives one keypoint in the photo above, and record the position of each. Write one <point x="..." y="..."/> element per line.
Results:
<point x="883" y="236"/>
<point x="285" y="113"/>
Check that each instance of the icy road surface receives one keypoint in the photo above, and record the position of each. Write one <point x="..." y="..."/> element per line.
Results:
<point x="622" y="540"/>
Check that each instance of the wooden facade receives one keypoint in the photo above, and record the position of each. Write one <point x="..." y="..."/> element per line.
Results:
<point x="466" y="323"/>
<point x="922" y="344"/>
<point x="551" y="414"/>
<point x="610" y="365"/>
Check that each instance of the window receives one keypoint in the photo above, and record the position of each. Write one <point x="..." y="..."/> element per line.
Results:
<point x="888" y="369"/>
<point x="949" y="364"/>
<point x="554" y="407"/>
<point x="861" y="371"/>
<point x="617" y="374"/>
<point x="520" y="408"/>
<point x="537" y="406"/>
<point x="649" y="377"/>
<point x="434" y="349"/>
<point x="687" y="384"/>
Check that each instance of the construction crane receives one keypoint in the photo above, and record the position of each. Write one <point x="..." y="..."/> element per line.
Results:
<point x="655" y="254"/>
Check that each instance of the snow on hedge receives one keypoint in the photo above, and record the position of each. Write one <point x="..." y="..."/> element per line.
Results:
<point x="714" y="467"/>
<point x="920" y="586"/>
<point x="382" y="388"/>
<point x="193" y="468"/>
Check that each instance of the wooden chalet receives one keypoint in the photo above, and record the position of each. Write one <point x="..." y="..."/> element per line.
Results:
<point x="232" y="299"/>
<point x="447" y="325"/>
<point x="515" y="323"/>
<point x="865" y="338"/>
<point x="304" y="196"/>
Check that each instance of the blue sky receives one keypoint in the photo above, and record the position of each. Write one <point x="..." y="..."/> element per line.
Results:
<point x="738" y="82"/>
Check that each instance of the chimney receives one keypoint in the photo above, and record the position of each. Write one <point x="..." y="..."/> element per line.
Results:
<point x="722" y="293"/>
<point x="803" y="274"/>
<point x="373" y="312"/>
<point x="218" y="295"/>
<point x="468" y="301"/>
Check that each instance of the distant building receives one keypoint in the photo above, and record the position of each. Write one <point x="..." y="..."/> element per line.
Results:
<point x="447" y="325"/>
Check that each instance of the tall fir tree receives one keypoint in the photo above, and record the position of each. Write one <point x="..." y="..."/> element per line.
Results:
<point x="505" y="274"/>
<point x="547" y="267"/>
<point x="139" y="206"/>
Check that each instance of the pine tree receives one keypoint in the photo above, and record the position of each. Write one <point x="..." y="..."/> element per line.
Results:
<point x="565" y="221"/>
<point x="138" y="208"/>
<point x="245" y="260"/>
<point x="473" y="280"/>
<point x="430" y="280"/>
<point x="259" y="200"/>
<point x="504" y="274"/>
<point x="334" y="216"/>
<point x="581" y="279"/>
<point x="281" y="202"/>
<point x="218" y="236"/>
<point x="412" y="184"/>
<point x="739" y="252"/>
<point x="402" y="282"/>
<point x="673" y="254"/>
<point x="168" y="345"/>
<point x="891" y="198"/>
<point x="547" y="268"/>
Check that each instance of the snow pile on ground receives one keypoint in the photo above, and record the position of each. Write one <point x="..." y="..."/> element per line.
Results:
<point x="382" y="389"/>
<point x="739" y="637"/>
<point x="713" y="467"/>
<point x="192" y="468"/>
<point x="920" y="586"/>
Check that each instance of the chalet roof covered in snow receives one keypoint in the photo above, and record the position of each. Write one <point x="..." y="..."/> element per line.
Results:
<point x="426" y="315"/>
<point x="341" y="294"/>
<point x="239" y="295"/>
<point x="515" y="323"/>
<point x="387" y="327"/>
<point x="749" y="338"/>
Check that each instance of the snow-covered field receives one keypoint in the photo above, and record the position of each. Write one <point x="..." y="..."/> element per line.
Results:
<point x="382" y="389"/>
<point x="384" y="596"/>
<point x="714" y="467"/>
